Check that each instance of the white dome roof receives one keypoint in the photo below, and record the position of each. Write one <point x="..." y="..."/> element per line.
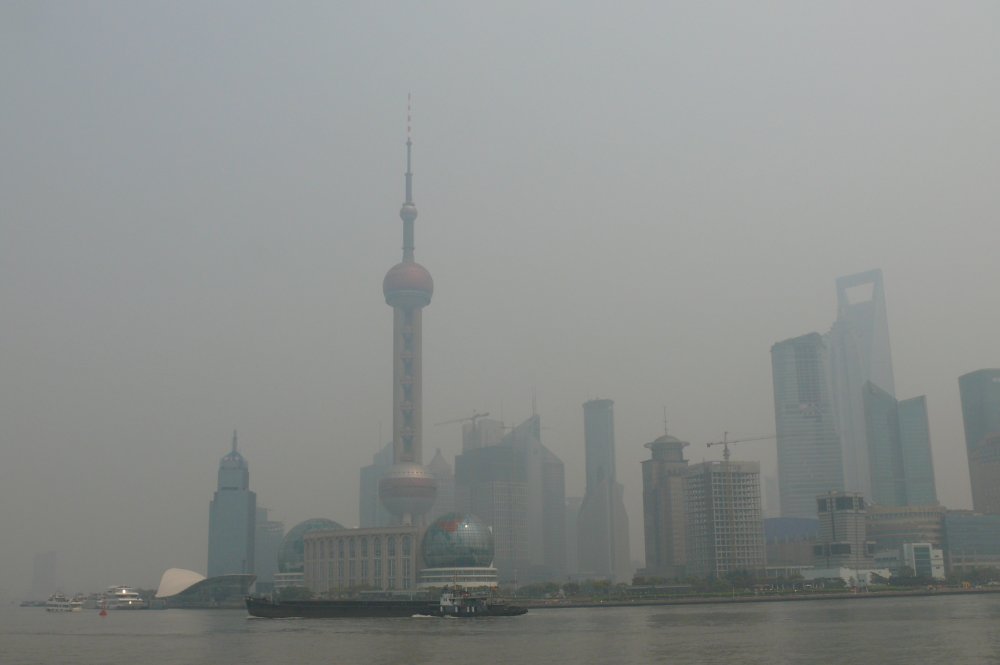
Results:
<point x="175" y="580"/>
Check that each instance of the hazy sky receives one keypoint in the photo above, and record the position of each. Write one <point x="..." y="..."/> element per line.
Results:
<point x="198" y="202"/>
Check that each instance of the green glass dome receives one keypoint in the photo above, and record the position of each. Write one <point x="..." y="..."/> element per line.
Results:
<point x="458" y="541"/>
<point x="291" y="556"/>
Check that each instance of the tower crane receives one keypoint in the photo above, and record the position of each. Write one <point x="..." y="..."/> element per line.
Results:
<point x="726" y="441"/>
<point x="471" y="419"/>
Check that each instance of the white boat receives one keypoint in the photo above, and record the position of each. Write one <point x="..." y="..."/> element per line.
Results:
<point x="122" y="598"/>
<point x="57" y="602"/>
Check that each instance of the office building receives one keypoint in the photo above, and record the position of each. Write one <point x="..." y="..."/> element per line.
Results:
<point x="664" y="487"/>
<point x="980" y="392"/>
<point x="517" y="488"/>
<point x="843" y="538"/>
<point x="972" y="541"/>
<point x="899" y="449"/>
<point x="809" y="451"/>
<point x="603" y="549"/>
<point x="232" y="518"/>
<point x="724" y="523"/>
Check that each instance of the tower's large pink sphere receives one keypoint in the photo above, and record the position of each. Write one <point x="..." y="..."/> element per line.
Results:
<point x="408" y="284"/>
<point x="407" y="489"/>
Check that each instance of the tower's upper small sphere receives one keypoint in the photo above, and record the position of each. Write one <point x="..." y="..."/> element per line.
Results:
<point x="407" y="489"/>
<point x="408" y="284"/>
<point x="408" y="212"/>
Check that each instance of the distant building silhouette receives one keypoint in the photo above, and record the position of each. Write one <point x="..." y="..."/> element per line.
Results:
<point x="444" y="503"/>
<point x="603" y="526"/>
<point x="859" y="354"/>
<point x="44" y="576"/>
<point x="664" y="487"/>
<point x="268" y="535"/>
<point x="980" y="391"/>
<point x="573" y="504"/>
<point x="725" y="527"/>
<point x="371" y="512"/>
<point x="232" y="518"/>
<point x="517" y="488"/>
<point x="809" y="452"/>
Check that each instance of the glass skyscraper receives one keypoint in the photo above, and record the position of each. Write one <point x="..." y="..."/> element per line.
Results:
<point x="809" y="453"/>
<point x="859" y="354"/>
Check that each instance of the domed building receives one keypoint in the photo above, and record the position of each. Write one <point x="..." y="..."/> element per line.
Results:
<point x="458" y="550"/>
<point x="291" y="556"/>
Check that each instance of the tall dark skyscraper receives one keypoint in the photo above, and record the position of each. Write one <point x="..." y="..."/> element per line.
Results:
<point x="407" y="490"/>
<point x="980" y="393"/>
<point x="232" y="518"/>
<point x="664" y="488"/>
<point x="603" y="524"/>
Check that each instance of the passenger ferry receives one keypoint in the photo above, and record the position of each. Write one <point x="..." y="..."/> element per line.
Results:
<point x="57" y="602"/>
<point x="122" y="598"/>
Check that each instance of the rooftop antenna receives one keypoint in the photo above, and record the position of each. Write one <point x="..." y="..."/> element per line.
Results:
<point x="234" y="441"/>
<point x="665" y="431"/>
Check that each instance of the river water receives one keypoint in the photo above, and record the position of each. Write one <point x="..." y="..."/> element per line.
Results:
<point x="947" y="629"/>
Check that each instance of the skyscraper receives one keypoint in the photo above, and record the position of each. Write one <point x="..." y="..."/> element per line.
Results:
<point x="859" y="354"/>
<point x="918" y="463"/>
<point x="407" y="490"/>
<point x="980" y="391"/>
<point x="664" y="487"/>
<point x="231" y="518"/>
<point x="517" y="487"/>
<point x="725" y="528"/>
<point x="603" y="524"/>
<point x="809" y="453"/>
<point x="899" y="449"/>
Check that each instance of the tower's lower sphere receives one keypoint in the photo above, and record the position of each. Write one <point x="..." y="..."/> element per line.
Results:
<point x="457" y="541"/>
<point x="407" y="489"/>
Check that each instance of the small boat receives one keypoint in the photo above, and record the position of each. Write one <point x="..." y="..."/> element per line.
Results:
<point x="122" y="598"/>
<point x="58" y="602"/>
<point x="452" y="603"/>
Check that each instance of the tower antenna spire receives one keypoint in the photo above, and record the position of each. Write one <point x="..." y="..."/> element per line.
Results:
<point x="408" y="213"/>
<point x="234" y="441"/>
<point x="409" y="146"/>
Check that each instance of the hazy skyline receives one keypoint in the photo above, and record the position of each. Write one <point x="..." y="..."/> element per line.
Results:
<point x="198" y="202"/>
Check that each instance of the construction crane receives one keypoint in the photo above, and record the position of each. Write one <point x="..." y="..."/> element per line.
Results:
<point x="471" y="419"/>
<point x="726" y="441"/>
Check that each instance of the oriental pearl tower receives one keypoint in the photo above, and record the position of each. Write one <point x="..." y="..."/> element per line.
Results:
<point x="407" y="490"/>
